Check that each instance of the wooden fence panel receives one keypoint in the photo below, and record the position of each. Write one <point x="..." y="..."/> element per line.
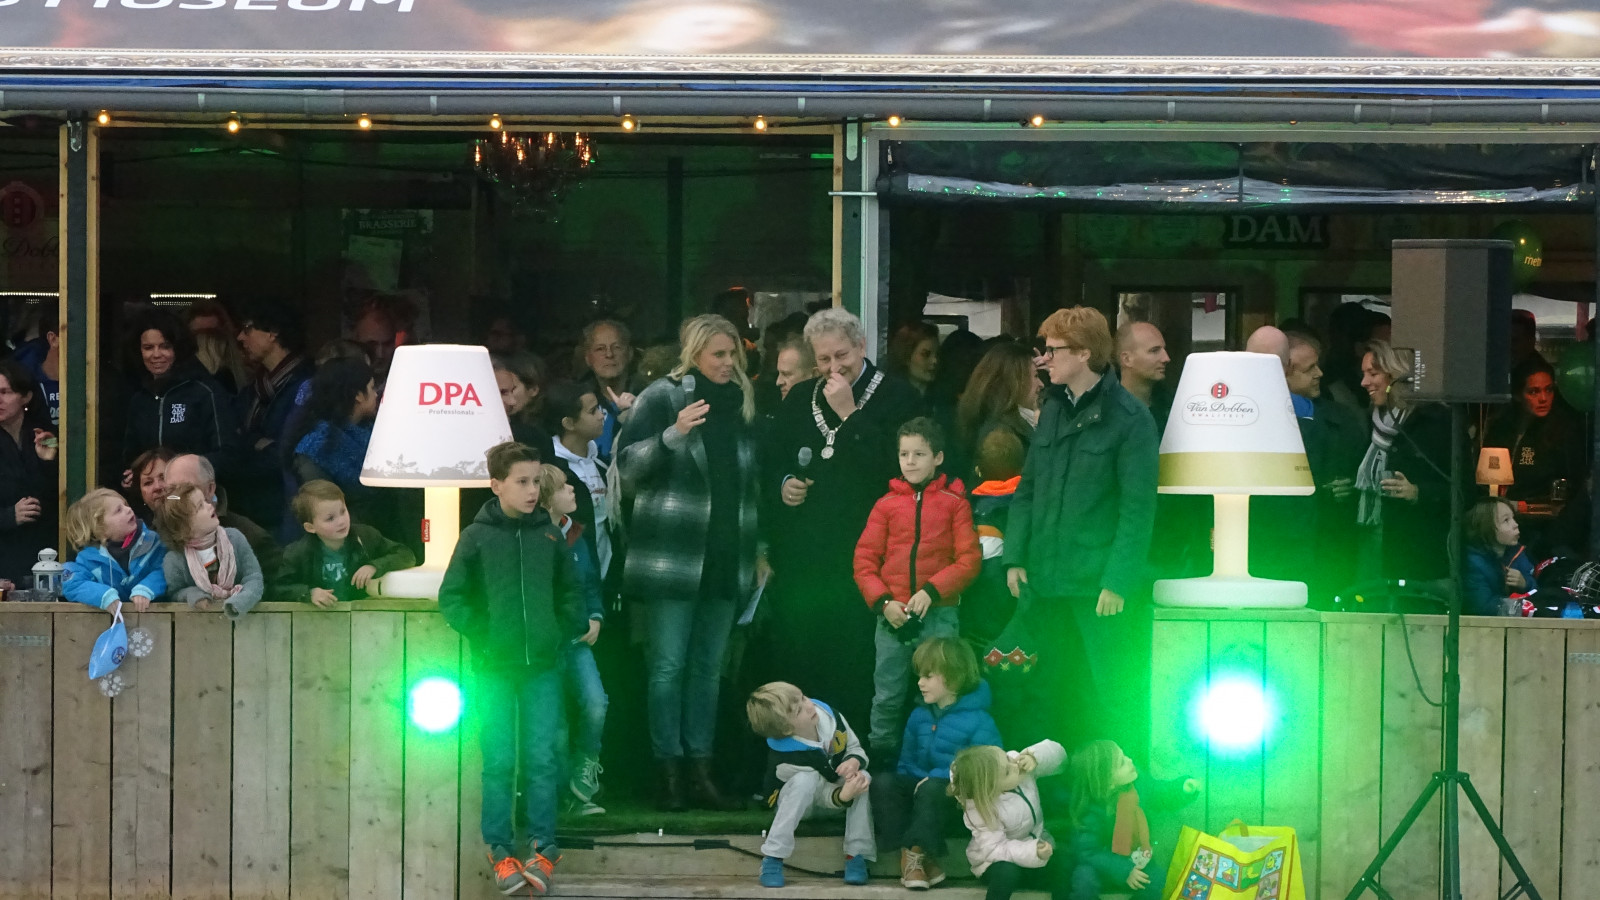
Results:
<point x="1580" y="855"/>
<point x="1352" y="728"/>
<point x="377" y="754"/>
<point x="1411" y="736"/>
<point x="432" y="847"/>
<point x="261" y="747"/>
<point x="1535" y="670"/>
<point x="1177" y="748"/>
<point x="202" y="756"/>
<point x="1483" y="677"/>
<point x="1234" y="775"/>
<point x="1291" y="784"/>
<point x="26" y="708"/>
<point x="475" y="871"/>
<point x="81" y="797"/>
<point x="141" y="769"/>
<point x="319" y="769"/>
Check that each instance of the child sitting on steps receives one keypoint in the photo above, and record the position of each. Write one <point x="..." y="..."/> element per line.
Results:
<point x="999" y="793"/>
<point x="913" y="809"/>
<point x="815" y="763"/>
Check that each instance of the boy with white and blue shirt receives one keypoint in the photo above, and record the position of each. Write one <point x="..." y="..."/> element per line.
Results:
<point x="815" y="762"/>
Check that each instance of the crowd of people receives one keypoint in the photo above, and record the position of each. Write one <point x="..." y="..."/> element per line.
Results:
<point x="955" y="550"/>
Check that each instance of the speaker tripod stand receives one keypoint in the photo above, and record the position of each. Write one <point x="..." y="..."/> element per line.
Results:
<point x="1450" y="779"/>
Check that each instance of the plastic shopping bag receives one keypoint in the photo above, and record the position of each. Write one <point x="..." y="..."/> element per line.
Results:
<point x="109" y="649"/>
<point x="1244" y="862"/>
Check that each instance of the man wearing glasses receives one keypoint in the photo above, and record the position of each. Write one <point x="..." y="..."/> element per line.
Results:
<point x="608" y="352"/>
<point x="1073" y="664"/>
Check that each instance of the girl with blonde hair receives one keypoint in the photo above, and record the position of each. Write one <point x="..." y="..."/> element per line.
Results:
<point x="119" y="559"/>
<point x="999" y="795"/>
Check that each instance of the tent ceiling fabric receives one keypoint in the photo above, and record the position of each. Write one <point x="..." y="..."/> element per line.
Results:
<point x="1256" y="174"/>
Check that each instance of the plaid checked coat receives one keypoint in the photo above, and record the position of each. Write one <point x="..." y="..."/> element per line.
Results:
<point x="667" y="477"/>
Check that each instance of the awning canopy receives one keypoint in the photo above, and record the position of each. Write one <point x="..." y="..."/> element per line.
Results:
<point x="1187" y="175"/>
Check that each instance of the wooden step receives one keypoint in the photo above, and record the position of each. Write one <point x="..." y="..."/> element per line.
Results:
<point x="797" y="887"/>
<point x="726" y="856"/>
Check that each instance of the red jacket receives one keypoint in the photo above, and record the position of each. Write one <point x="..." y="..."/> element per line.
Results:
<point x="918" y="541"/>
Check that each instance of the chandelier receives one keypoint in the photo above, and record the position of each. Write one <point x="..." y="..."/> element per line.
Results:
<point x="535" y="171"/>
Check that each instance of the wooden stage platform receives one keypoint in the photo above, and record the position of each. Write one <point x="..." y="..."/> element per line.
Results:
<point x="274" y="758"/>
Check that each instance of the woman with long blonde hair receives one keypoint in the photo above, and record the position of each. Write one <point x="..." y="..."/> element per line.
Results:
<point x="687" y="457"/>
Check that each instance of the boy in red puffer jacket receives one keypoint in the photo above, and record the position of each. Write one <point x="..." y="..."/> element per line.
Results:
<point x="917" y="554"/>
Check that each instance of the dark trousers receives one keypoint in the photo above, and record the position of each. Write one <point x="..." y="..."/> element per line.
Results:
<point x="824" y="639"/>
<point x="1090" y="679"/>
<point x="911" y="812"/>
<point x="1002" y="879"/>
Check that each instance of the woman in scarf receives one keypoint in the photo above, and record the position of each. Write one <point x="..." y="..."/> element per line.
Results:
<point x="1404" y="480"/>
<point x="688" y="460"/>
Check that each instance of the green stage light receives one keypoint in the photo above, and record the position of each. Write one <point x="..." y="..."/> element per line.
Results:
<point x="435" y="704"/>
<point x="1233" y="714"/>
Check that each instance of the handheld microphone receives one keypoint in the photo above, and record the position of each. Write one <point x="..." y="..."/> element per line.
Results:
<point x="688" y="387"/>
<point x="804" y="459"/>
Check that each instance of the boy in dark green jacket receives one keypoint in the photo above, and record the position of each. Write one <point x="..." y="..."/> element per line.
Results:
<point x="512" y="591"/>
<point x="335" y="561"/>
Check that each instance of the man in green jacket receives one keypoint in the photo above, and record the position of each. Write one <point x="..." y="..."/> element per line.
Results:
<point x="1075" y="660"/>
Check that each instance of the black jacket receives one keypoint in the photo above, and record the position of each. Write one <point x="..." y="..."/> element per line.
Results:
<point x="1415" y="532"/>
<point x="820" y="534"/>
<point x="23" y="474"/>
<point x="511" y="589"/>
<point x="186" y="411"/>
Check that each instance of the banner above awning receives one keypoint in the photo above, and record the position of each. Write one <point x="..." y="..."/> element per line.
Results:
<point x="1038" y="39"/>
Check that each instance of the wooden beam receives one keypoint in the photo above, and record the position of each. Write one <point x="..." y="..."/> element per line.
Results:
<point x="80" y="306"/>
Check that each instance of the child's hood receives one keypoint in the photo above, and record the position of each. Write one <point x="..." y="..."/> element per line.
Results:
<point x="975" y="700"/>
<point x="147" y="541"/>
<point x="940" y="482"/>
<point x="997" y="488"/>
<point x="494" y="516"/>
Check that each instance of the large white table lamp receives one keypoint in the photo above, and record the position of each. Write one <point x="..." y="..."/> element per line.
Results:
<point x="441" y="413"/>
<point x="1232" y="434"/>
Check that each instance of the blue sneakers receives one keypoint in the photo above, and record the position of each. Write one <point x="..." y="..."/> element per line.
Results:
<point x="771" y="872"/>
<point x="855" y="870"/>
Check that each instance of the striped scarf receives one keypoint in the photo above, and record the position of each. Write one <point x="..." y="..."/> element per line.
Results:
<point x="1386" y="424"/>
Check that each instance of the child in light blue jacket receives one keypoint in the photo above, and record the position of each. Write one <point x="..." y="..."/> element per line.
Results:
<point x="119" y="559"/>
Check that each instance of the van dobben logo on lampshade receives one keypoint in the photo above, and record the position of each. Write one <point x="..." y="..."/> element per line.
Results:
<point x="1220" y="406"/>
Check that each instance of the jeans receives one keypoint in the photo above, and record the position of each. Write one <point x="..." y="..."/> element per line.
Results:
<point x="892" y="678"/>
<point x="1002" y="879"/>
<point x="585" y="692"/>
<point x="522" y="716"/>
<point x="806" y="792"/>
<point x="686" y="642"/>
<point x="913" y="814"/>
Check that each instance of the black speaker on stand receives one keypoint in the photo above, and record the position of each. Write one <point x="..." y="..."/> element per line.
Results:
<point x="1451" y="308"/>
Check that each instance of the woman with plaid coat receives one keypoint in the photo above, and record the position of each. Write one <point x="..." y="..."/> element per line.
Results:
<point x="687" y="458"/>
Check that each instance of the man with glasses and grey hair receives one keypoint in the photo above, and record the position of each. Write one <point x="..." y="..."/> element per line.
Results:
<point x="831" y="454"/>
<point x="607" y="350"/>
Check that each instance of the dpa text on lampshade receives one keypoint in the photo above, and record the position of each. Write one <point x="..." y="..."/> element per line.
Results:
<point x="441" y="412"/>
<point x="1232" y="433"/>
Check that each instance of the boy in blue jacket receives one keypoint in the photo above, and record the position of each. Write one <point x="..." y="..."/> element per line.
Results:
<point x="912" y="809"/>
<point x="119" y="558"/>
<point x="579" y="672"/>
<point x="510" y="589"/>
